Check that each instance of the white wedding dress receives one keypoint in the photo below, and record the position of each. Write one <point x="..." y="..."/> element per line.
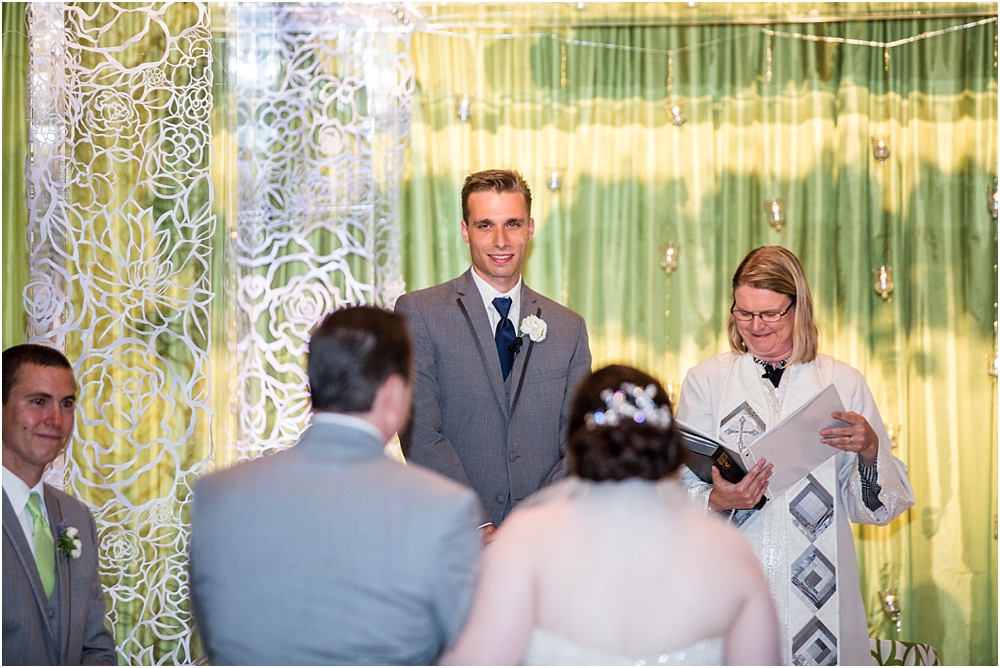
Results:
<point x="608" y="526"/>
<point x="549" y="649"/>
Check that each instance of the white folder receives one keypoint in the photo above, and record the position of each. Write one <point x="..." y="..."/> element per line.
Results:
<point x="793" y="445"/>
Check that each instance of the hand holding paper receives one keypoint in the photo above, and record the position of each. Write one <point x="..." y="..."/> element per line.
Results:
<point x="857" y="437"/>
<point x="795" y="445"/>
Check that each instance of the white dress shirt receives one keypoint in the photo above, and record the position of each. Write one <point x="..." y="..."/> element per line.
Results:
<point x="489" y="293"/>
<point x="18" y="492"/>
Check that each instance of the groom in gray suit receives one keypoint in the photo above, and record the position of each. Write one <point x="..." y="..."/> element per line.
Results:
<point x="330" y="552"/>
<point x="496" y="362"/>
<point x="53" y="600"/>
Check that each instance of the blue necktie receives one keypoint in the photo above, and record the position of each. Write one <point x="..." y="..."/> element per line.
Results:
<point x="505" y="335"/>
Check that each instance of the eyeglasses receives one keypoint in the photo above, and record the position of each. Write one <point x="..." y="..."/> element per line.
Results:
<point x="765" y="316"/>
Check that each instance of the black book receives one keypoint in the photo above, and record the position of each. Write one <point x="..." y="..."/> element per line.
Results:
<point x="704" y="452"/>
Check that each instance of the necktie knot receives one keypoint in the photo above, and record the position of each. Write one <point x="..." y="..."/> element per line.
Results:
<point x="35" y="505"/>
<point x="502" y="305"/>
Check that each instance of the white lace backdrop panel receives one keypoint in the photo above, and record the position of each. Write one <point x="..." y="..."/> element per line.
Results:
<point x="323" y="113"/>
<point x="152" y="292"/>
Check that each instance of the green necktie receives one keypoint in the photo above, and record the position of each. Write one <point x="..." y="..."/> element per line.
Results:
<point x="45" y="548"/>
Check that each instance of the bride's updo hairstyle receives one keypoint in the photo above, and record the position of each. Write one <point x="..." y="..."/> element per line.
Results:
<point x="621" y="427"/>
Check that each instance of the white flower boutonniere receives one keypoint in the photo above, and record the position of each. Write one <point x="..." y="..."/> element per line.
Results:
<point x="534" y="327"/>
<point x="69" y="543"/>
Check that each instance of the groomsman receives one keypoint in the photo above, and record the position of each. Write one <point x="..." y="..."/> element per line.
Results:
<point x="496" y="362"/>
<point x="53" y="600"/>
<point x="330" y="552"/>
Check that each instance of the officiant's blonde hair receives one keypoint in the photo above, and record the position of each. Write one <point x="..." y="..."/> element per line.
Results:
<point x="777" y="269"/>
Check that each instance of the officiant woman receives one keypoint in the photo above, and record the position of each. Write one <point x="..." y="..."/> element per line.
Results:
<point x="802" y="537"/>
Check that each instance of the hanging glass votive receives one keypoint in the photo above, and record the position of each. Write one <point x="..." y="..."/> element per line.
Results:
<point x="676" y="113"/>
<point x="464" y="108"/>
<point x="554" y="182"/>
<point x="669" y="260"/>
<point x="774" y="208"/>
<point x="880" y="149"/>
<point x="893" y="429"/>
<point x="890" y="603"/>
<point x="883" y="282"/>
<point x="992" y="201"/>
<point x="670" y="388"/>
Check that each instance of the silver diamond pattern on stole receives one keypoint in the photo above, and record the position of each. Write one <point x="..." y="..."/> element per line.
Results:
<point x="813" y="575"/>
<point x="814" y="645"/>
<point x="814" y="578"/>
<point x="812" y="510"/>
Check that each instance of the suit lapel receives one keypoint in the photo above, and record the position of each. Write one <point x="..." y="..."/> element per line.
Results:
<point x="529" y="306"/>
<point x="470" y="302"/>
<point x="12" y="528"/>
<point x="63" y="567"/>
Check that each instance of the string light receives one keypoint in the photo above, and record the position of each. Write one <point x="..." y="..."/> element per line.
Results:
<point x="766" y="31"/>
<point x="674" y="109"/>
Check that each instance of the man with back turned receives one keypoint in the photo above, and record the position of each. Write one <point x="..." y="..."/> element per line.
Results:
<point x="330" y="552"/>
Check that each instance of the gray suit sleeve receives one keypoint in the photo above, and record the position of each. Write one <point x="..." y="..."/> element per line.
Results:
<point x="456" y="567"/>
<point x="579" y="368"/>
<point x="424" y="432"/>
<point x="98" y="643"/>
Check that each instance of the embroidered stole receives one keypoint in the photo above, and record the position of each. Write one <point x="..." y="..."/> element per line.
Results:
<point x="794" y="534"/>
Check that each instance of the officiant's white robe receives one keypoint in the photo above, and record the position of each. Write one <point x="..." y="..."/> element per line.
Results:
<point x="807" y="554"/>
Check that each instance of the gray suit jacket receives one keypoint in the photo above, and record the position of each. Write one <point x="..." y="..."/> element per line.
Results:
<point x="331" y="553"/>
<point x="69" y="628"/>
<point x="503" y="440"/>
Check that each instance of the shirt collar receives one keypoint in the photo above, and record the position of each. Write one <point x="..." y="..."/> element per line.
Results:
<point x="18" y="491"/>
<point x="489" y="293"/>
<point x="344" y="420"/>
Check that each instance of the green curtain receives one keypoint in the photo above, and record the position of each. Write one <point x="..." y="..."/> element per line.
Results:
<point x="632" y="181"/>
<point x="15" y="143"/>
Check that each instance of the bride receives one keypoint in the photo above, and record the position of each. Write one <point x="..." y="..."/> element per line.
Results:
<point x="609" y="566"/>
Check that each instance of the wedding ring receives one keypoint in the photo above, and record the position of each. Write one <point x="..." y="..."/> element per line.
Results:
<point x="852" y="442"/>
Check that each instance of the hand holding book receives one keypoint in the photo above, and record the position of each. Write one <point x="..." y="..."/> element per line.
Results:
<point x="782" y="456"/>
<point x="747" y="493"/>
<point x="732" y="485"/>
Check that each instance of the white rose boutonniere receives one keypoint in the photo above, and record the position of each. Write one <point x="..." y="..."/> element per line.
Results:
<point x="69" y="542"/>
<point x="534" y="327"/>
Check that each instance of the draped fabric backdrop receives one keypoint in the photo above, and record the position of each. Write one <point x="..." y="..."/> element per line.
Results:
<point x="218" y="176"/>
<point x="632" y="181"/>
